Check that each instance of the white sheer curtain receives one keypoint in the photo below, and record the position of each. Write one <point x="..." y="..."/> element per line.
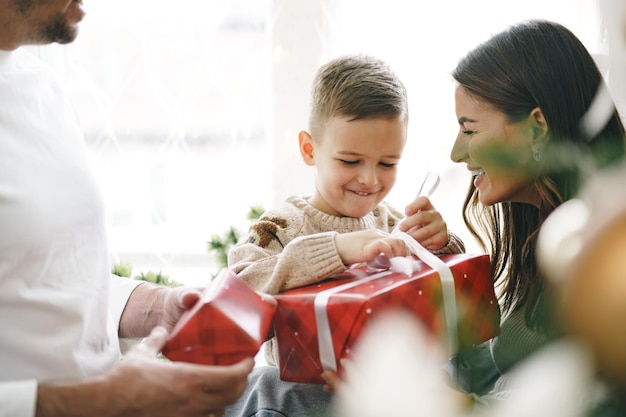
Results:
<point x="191" y="109"/>
<point x="422" y="41"/>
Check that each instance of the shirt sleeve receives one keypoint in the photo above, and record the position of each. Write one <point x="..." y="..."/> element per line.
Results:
<point x="17" y="398"/>
<point x="120" y="291"/>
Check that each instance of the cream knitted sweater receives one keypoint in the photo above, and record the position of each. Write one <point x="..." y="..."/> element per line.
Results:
<point x="294" y="244"/>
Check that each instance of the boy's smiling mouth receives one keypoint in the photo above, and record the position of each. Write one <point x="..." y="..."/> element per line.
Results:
<point x="363" y="193"/>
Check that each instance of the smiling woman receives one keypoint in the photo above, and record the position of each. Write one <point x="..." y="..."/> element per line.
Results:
<point x="191" y="109"/>
<point x="521" y="133"/>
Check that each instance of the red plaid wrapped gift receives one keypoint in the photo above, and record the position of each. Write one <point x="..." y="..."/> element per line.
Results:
<point x="317" y="325"/>
<point x="229" y="323"/>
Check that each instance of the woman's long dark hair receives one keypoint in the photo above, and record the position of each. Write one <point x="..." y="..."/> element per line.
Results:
<point x="536" y="64"/>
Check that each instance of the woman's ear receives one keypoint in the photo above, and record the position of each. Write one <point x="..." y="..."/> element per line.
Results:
<point x="539" y="133"/>
<point x="539" y="125"/>
<point x="306" y="147"/>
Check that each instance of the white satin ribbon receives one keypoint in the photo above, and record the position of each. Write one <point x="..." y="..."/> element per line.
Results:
<point x="397" y="265"/>
<point x="447" y="283"/>
<point x="324" y="334"/>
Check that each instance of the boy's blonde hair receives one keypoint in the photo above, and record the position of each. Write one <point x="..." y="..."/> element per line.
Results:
<point x="357" y="86"/>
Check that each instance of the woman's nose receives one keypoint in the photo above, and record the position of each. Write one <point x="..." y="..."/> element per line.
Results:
<point x="459" y="149"/>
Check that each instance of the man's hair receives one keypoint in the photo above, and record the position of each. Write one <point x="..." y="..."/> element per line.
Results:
<point x="358" y="87"/>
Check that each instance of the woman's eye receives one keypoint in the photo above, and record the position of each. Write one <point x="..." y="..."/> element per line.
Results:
<point x="345" y="162"/>
<point x="468" y="132"/>
<point x="386" y="164"/>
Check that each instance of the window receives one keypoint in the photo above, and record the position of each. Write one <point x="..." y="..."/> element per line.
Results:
<point x="191" y="109"/>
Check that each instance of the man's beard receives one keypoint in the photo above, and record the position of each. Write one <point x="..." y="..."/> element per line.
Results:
<point x="23" y="6"/>
<point x="58" y="31"/>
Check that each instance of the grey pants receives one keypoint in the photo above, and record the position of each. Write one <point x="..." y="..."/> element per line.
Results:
<point x="268" y="396"/>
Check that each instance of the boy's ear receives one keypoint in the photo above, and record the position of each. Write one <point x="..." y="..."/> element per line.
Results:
<point x="306" y="147"/>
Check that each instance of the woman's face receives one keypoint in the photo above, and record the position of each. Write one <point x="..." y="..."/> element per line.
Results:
<point x="498" y="153"/>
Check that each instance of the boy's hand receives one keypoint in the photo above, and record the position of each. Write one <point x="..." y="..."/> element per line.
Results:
<point x="365" y="245"/>
<point x="425" y="224"/>
<point x="333" y="382"/>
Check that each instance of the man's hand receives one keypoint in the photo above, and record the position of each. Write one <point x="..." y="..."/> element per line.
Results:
<point x="175" y="302"/>
<point x="144" y="385"/>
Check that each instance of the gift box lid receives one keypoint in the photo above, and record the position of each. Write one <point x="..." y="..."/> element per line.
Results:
<point x="230" y="322"/>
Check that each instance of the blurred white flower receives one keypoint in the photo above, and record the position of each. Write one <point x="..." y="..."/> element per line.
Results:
<point x="556" y="381"/>
<point x="396" y="371"/>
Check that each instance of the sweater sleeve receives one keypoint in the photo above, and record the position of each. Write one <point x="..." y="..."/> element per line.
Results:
<point x="280" y="255"/>
<point x="454" y="245"/>
<point x="304" y="260"/>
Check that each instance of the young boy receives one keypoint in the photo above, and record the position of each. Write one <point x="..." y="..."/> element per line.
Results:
<point x="357" y="132"/>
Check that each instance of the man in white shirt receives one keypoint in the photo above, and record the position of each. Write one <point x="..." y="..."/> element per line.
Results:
<point x="61" y="311"/>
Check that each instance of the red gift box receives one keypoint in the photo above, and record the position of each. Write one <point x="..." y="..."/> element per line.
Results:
<point x="229" y="323"/>
<point x="316" y="325"/>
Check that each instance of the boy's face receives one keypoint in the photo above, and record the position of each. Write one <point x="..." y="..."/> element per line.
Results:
<point x="356" y="163"/>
